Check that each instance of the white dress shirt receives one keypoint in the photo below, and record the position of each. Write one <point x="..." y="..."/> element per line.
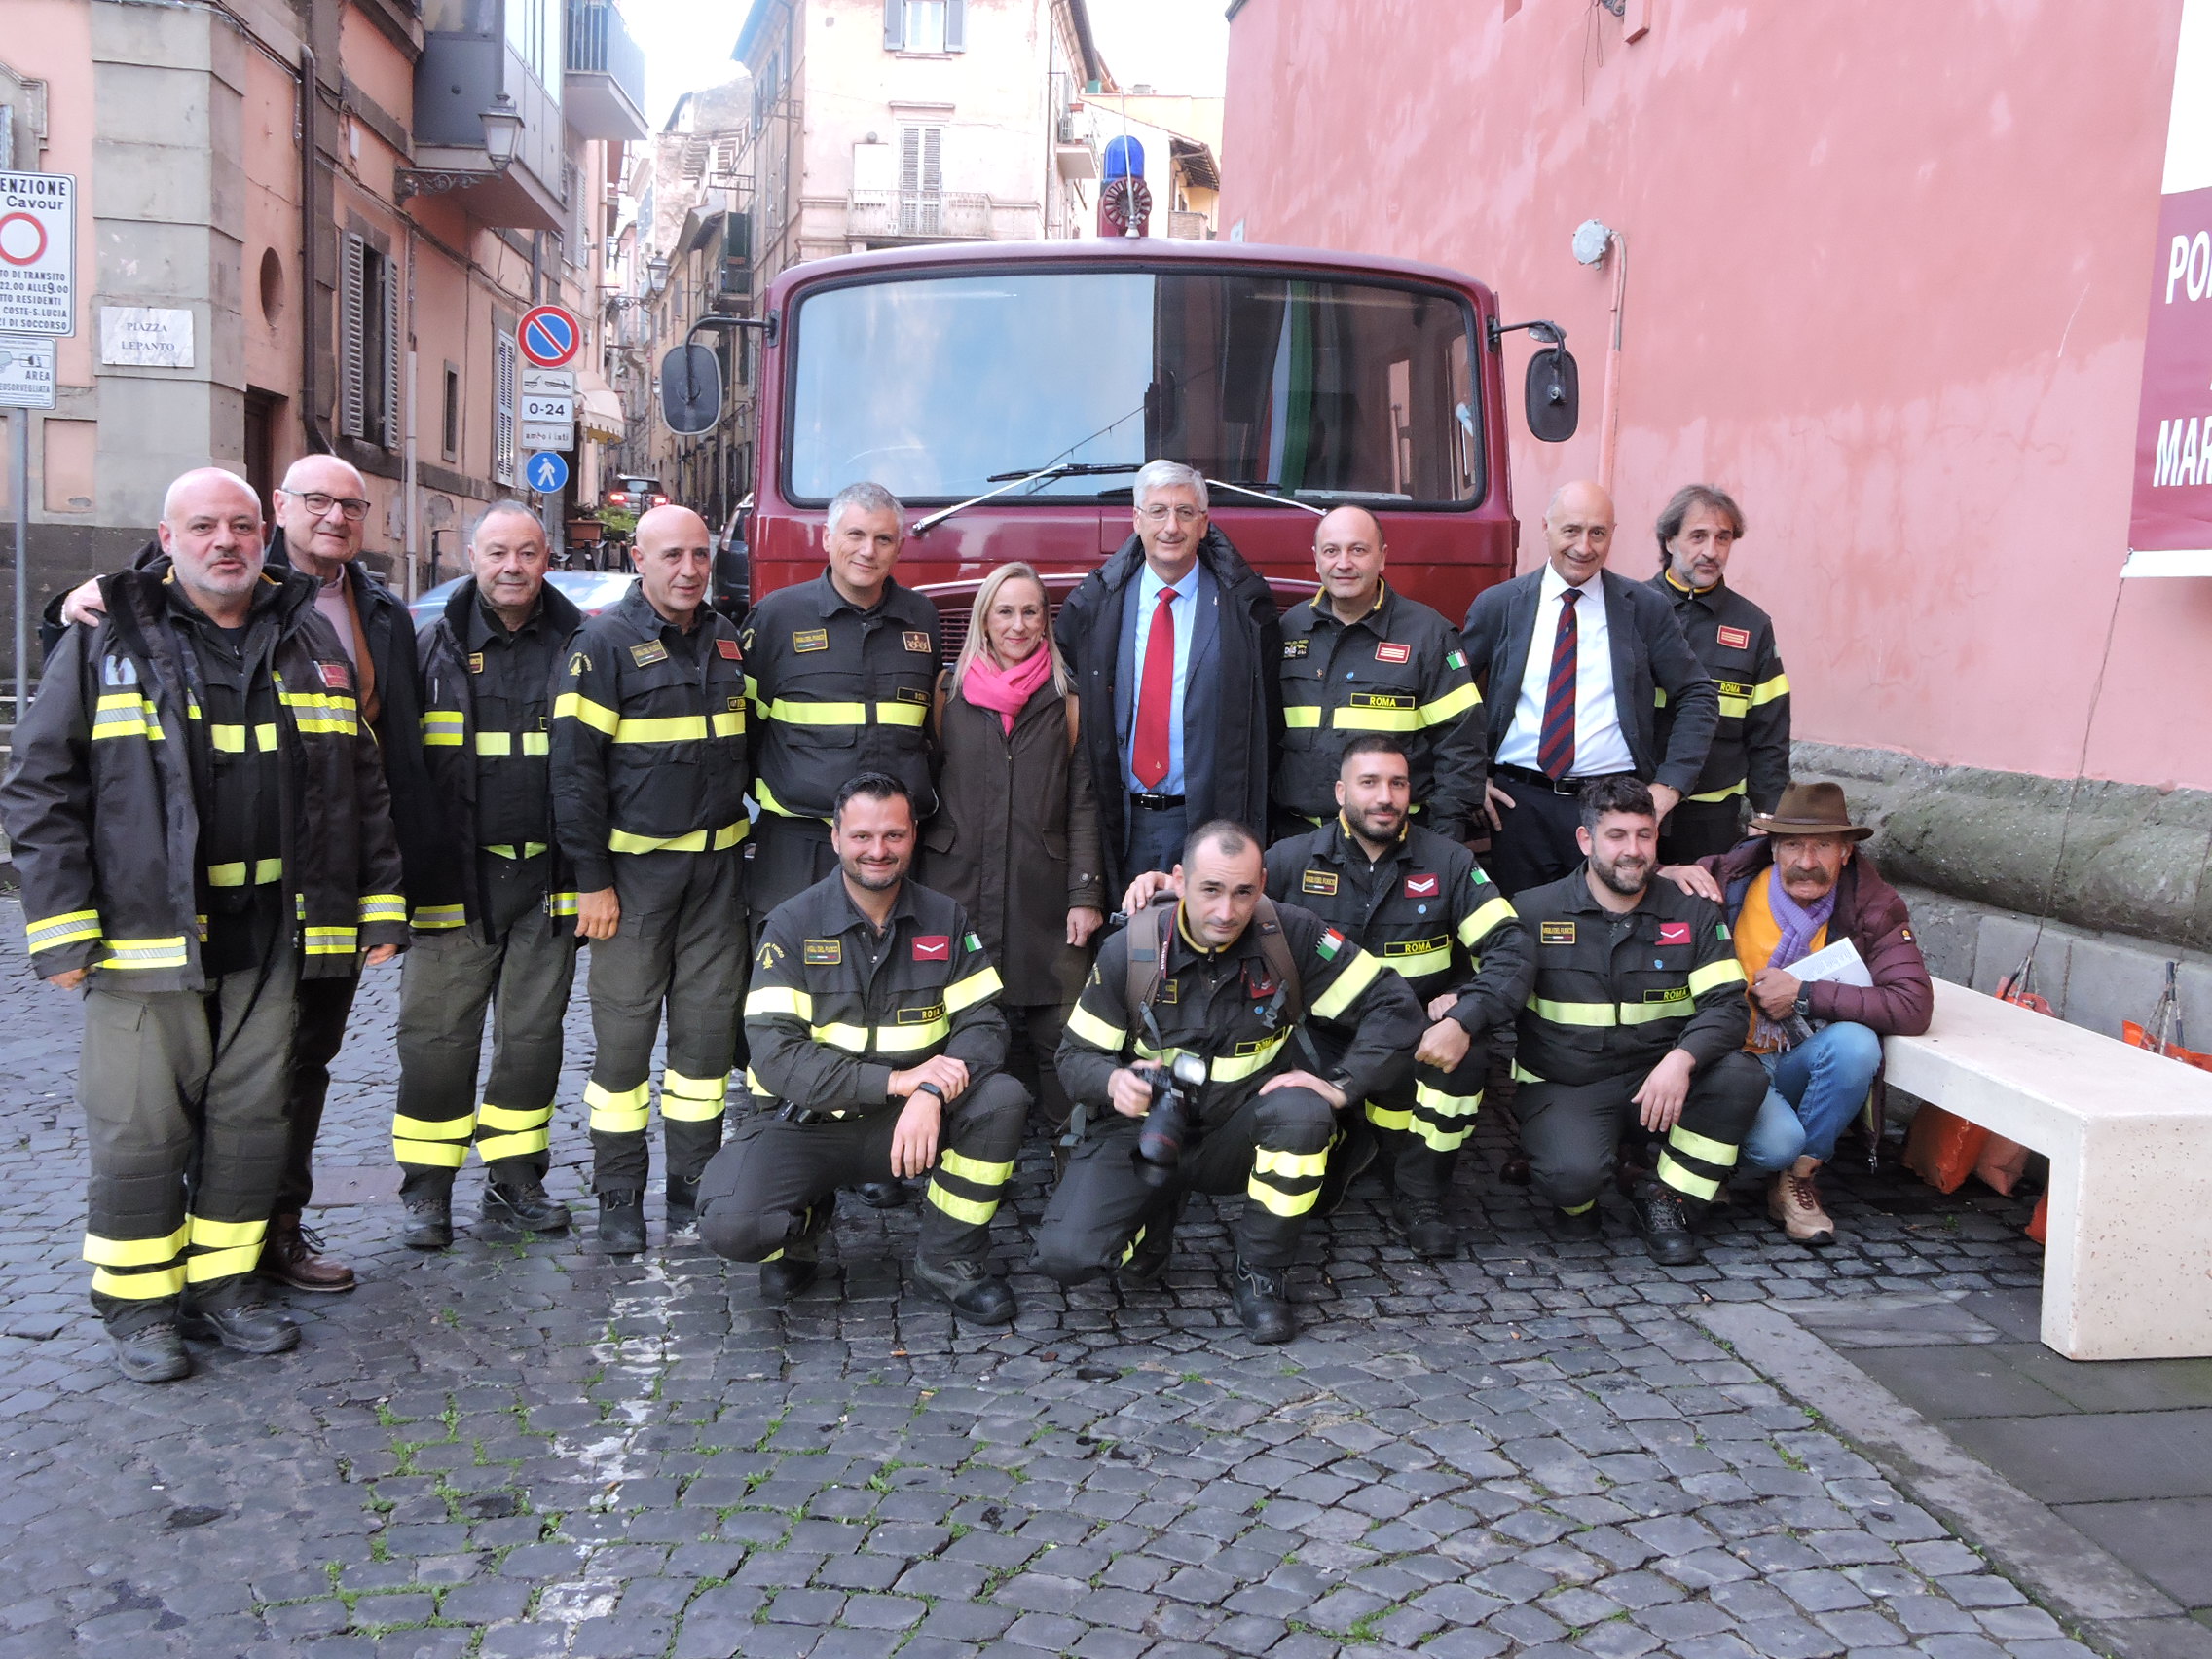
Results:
<point x="1184" y="608"/>
<point x="1600" y="745"/>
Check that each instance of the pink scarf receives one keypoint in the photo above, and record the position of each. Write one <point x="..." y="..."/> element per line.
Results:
<point x="1006" y="689"/>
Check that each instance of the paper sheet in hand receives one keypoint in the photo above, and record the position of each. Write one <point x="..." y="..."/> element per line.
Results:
<point x="1839" y="964"/>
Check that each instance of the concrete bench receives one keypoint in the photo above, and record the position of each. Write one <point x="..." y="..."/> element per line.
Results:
<point x="2127" y="1259"/>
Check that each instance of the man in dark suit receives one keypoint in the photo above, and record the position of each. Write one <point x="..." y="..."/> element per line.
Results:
<point x="1174" y="643"/>
<point x="1571" y="689"/>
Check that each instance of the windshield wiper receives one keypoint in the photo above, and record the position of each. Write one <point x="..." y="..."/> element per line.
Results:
<point x="1253" y="487"/>
<point x="1016" y="480"/>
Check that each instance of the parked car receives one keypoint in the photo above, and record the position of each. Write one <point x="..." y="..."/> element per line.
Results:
<point x="592" y="592"/>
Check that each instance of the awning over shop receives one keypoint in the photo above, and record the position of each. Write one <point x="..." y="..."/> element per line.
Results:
<point x="599" y="412"/>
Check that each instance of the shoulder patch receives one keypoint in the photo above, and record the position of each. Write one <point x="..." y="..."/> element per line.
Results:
<point x="1329" y="946"/>
<point x="1478" y="875"/>
<point x="810" y="640"/>
<point x="336" y="676"/>
<point x="1555" y="933"/>
<point x="1720" y="932"/>
<point x="727" y="648"/>
<point x="825" y="952"/>
<point x="917" y="639"/>
<point x="579" y="664"/>
<point x="647" y="653"/>
<point x="1295" y="647"/>
<point x="969" y="941"/>
<point x="476" y="662"/>
<point x="1735" y="639"/>
<point x="1393" y="651"/>
<point x="118" y="671"/>
<point x="770" y="953"/>
<point x="1455" y="659"/>
<point x="1321" y="881"/>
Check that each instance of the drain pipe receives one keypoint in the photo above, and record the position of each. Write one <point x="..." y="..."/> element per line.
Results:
<point x="1593" y="240"/>
<point x="311" y="414"/>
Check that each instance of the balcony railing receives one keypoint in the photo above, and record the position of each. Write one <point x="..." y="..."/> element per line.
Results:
<point x="884" y="215"/>
<point x="605" y="72"/>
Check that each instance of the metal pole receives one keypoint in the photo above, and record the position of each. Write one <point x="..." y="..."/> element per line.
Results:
<point x="20" y="492"/>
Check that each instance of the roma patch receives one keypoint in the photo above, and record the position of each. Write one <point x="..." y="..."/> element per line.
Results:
<point x="1672" y="994"/>
<point x="336" y="676"/>
<point x="1431" y="886"/>
<point x="1555" y="933"/>
<point x="476" y="662"/>
<point x="1292" y="649"/>
<point x="932" y="947"/>
<point x="921" y="1015"/>
<point x="1393" y="651"/>
<point x="1673" y="933"/>
<point x="1735" y="639"/>
<point x="810" y="640"/>
<point x="1379" y="700"/>
<point x="1321" y="881"/>
<point x="647" y="653"/>
<point x="825" y="952"/>
<point x="918" y="641"/>
<point x="726" y="649"/>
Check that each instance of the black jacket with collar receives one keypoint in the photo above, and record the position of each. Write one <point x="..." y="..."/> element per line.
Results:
<point x="1248" y="717"/>
<point x="1734" y="638"/>
<point x="461" y="752"/>
<point x="1649" y="655"/>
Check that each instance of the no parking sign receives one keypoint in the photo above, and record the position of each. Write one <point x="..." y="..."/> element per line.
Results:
<point x="550" y="336"/>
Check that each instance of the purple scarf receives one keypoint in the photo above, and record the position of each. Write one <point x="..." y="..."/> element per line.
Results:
<point x="1798" y="923"/>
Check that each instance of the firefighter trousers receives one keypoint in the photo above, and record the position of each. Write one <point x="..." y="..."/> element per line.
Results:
<point x="183" y="1094"/>
<point x="766" y="1187"/>
<point x="1273" y="1148"/>
<point x="524" y="974"/>
<point x="681" y="946"/>
<point x="1700" y="828"/>
<point x="1569" y="1131"/>
<point x="319" y="1032"/>
<point x="1422" y="1123"/>
<point x="790" y="855"/>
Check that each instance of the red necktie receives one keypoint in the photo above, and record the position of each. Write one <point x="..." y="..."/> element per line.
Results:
<point x="1156" y="696"/>
<point x="1555" y="743"/>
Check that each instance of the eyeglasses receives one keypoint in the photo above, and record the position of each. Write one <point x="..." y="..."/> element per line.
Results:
<point x="1181" y="515"/>
<point x="317" y="503"/>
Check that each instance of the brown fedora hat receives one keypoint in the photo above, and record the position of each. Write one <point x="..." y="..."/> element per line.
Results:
<point x="1810" y="809"/>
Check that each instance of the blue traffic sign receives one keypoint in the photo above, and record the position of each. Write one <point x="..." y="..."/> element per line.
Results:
<point x="549" y="336"/>
<point x="546" y="473"/>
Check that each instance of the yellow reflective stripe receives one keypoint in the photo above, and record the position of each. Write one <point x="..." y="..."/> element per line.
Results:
<point x="433" y="1155"/>
<point x="1271" y="1168"/>
<point x="493" y="1148"/>
<point x="382" y="907"/>
<point x="974" y="1168"/>
<point x="1451" y="706"/>
<point x="675" y="1083"/>
<point x="1691" y="1144"/>
<point x="494" y="742"/>
<point x="779" y="999"/>
<point x="793" y="711"/>
<point x="670" y="728"/>
<point x="962" y="993"/>
<point x="434" y="916"/>
<point x="1376" y="720"/>
<point x="264" y="870"/>
<point x="442" y="728"/>
<point x="134" y="1252"/>
<point x="969" y="1210"/>
<point x="697" y="841"/>
<point x="226" y="1235"/>
<point x="853" y="1039"/>
<point x="404" y="1127"/>
<point x="331" y="941"/>
<point x="1431" y="1098"/>
<point x="65" y="929"/>
<point x="575" y="705"/>
<point x="125" y="953"/>
<point x="1307" y="718"/>
<point x="616" y="1113"/>
<point x="1476" y="927"/>
<point x="221" y="1264"/>
<point x="1683" y="1181"/>
<point x="1735" y="789"/>
<point x="1725" y="972"/>
<point x="1767" y="691"/>
<point x="1734" y="708"/>
<point x="1233" y="1068"/>
<point x="902" y="714"/>
<point x="509" y="850"/>
<point x="1419" y="964"/>
<point x="126" y="713"/>
<point x="1573" y="1013"/>
<point x="138" y="1287"/>
<point x="907" y="1039"/>
<point x="1385" y="1118"/>
<point x="1522" y="1074"/>
<point x="1091" y="1029"/>
<point x="679" y="1109"/>
<point x="1650" y="1014"/>
<point x="1291" y="1165"/>
<point x="560" y="904"/>
<point x="754" y="1086"/>
<point x="513" y="1117"/>
<point x="1358" y="974"/>
<point x="320" y="712"/>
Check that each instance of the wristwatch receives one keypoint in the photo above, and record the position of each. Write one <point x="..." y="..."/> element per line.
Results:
<point x="1804" y="1009"/>
<point x="1340" y="1080"/>
<point x="931" y="1089"/>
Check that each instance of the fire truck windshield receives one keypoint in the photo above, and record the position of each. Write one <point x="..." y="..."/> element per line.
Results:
<point x="1317" y="389"/>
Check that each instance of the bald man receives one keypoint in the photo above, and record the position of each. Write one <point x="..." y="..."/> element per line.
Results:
<point x="1358" y="658"/>
<point x="323" y="509"/>
<point x="649" y="777"/>
<point x="202" y="829"/>
<point x="1574" y="663"/>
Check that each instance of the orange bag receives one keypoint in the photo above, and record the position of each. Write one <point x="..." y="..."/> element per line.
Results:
<point x="1942" y="1148"/>
<point x="2041" y="1219"/>
<point x="2002" y="1164"/>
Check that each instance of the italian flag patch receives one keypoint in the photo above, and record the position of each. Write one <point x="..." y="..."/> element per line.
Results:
<point x="1455" y="659"/>
<point x="1332" y="942"/>
<point x="969" y="941"/>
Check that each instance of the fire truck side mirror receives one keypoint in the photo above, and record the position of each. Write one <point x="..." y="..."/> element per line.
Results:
<point x="690" y="389"/>
<point x="1554" y="395"/>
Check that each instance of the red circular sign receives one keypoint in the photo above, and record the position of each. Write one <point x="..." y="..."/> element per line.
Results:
<point x="550" y="336"/>
<point x="10" y="242"/>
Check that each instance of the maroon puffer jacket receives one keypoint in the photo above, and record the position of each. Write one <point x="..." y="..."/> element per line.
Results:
<point x="1868" y="913"/>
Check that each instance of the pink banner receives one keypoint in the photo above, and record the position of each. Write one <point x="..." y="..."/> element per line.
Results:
<point x="2173" y="438"/>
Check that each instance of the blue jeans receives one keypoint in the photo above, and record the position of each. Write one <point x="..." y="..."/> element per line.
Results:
<point x="1814" y="1090"/>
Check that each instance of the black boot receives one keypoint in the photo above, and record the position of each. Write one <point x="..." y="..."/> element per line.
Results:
<point x="1148" y="1259"/>
<point x="792" y="1271"/>
<point x="248" y="1326"/>
<point x="973" y="1293"/>
<point x="1262" y="1301"/>
<point x="521" y="1201"/>
<point x="430" y="1222"/>
<point x="1427" y="1234"/>
<point x="1578" y="1224"/>
<point x="882" y="1194"/>
<point x="622" y="1222"/>
<point x="152" y="1353"/>
<point x="1664" y="1220"/>
<point x="683" y="1204"/>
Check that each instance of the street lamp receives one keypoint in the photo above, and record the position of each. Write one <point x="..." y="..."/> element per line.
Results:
<point x="503" y="138"/>
<point x="656" y="273"/>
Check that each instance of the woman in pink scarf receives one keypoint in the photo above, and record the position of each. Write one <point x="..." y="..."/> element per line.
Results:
<point x="1016" y="836"/>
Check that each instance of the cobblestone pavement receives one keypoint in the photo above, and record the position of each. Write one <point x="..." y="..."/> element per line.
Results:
<point x="527" y="1448"/>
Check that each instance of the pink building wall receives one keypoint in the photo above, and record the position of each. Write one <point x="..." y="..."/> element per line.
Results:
<point x="1888" y="277"/>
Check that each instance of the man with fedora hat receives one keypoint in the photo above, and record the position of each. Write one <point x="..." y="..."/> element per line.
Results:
<point x="1797" y="885"/>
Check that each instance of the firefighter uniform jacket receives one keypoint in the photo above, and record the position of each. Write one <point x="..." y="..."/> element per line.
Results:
<point x="1614" y="993"/>
<point x="1734" y="638"/>
<point x="488" y="742"/>
<point x="1223" y="1007"/>
<point x="649" y="739"/>
<point x="1425" y="909"/>
<point x="1398" y="669"/>
<point x="99" y="801"/>
<point x="835" y="1008"/>
<point x="837" y="690"/>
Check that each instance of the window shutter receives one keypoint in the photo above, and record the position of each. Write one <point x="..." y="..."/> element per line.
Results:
<point x="504" y="389"/>
<point x="7" y="137"/>
<point x="893" y="25"/>
<point x="909" y="158"/>
<point x="933" y="171"/>
<point x="353" y="326"/>
<point x="389" y="367"/>
<point x="956" y="25"/>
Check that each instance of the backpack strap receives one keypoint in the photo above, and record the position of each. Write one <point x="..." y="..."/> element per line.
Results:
<point x="1148" y="936"/>
<point x="1274" y="950"/>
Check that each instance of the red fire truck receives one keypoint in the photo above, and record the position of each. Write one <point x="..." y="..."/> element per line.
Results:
<point x="1007" y="394"/>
